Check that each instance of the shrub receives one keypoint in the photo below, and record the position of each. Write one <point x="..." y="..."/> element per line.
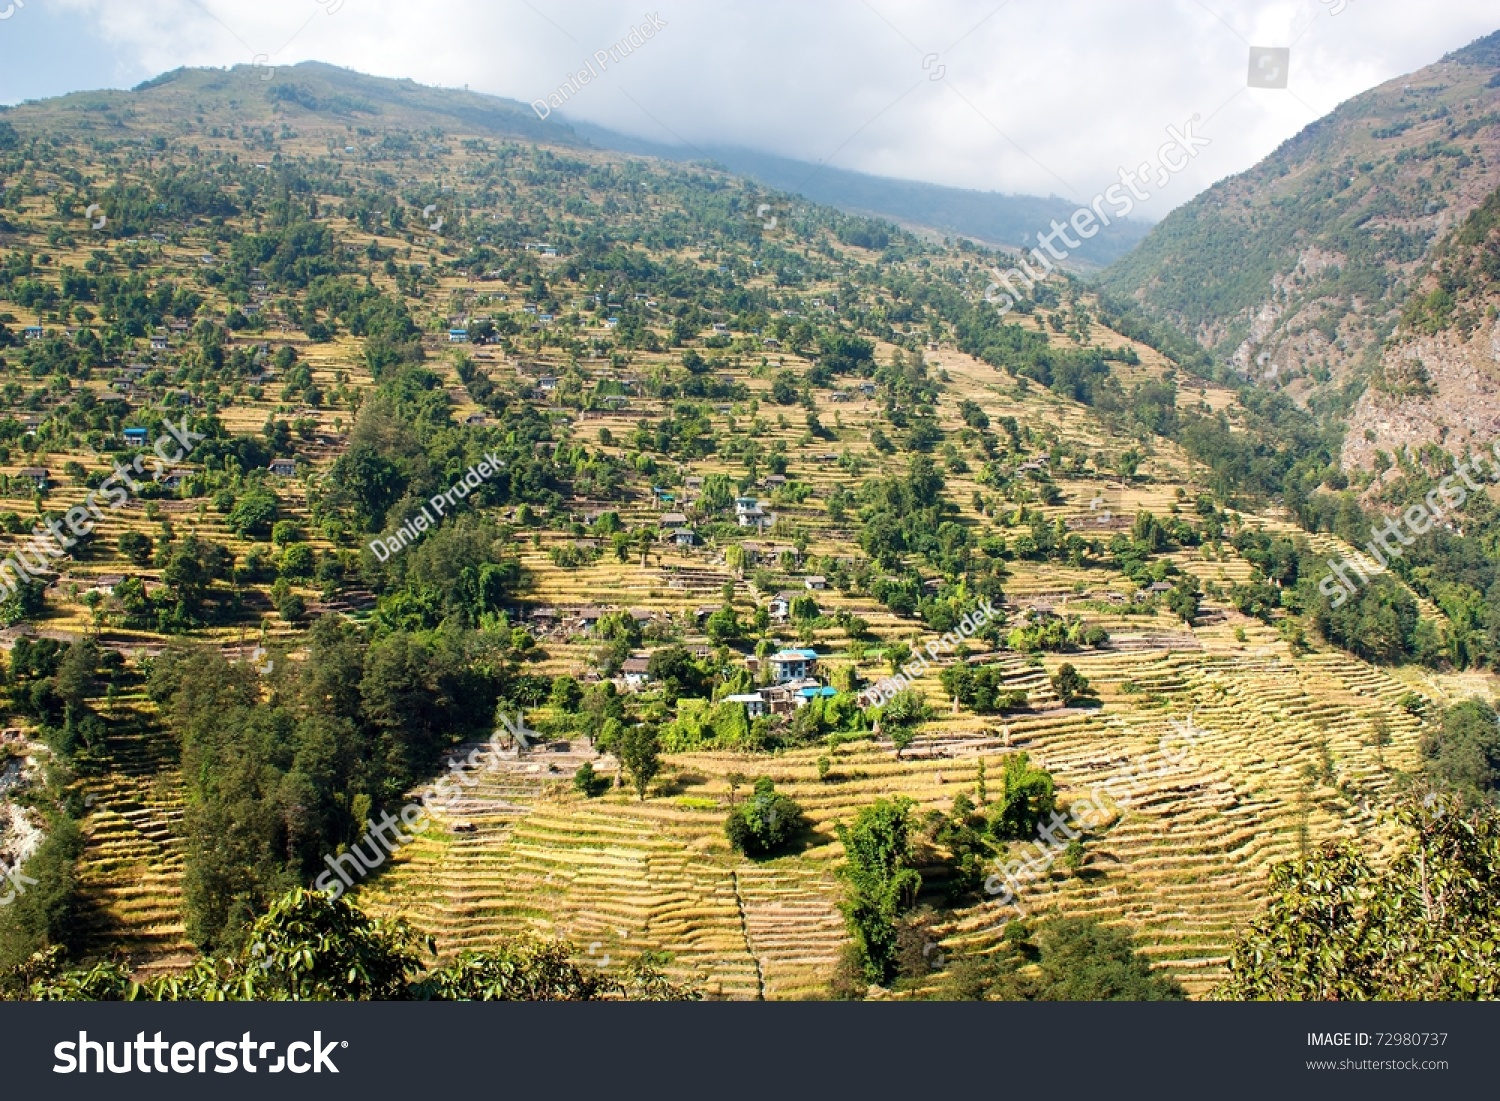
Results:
<point x="764" y="823"/>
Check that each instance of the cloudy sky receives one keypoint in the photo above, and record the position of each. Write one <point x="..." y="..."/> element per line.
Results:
<point x="1027" y="96"/>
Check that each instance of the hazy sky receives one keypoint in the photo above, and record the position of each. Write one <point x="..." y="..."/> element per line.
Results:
<point x="1036" y="96"/>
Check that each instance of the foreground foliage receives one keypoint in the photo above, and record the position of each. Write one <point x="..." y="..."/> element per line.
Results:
<point x="1068" y="960"/>
<point x="309" y="947"/>
<point x="1341" y="928"/>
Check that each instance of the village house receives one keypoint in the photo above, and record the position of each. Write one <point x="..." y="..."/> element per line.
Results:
<point x="283" y="468"/>
<point x="634" y="673"/>
<point x="755" y="703"/>
<point x="793" y="665"/>
<point x="780" y="605"/>
<point x="588" y="618"/>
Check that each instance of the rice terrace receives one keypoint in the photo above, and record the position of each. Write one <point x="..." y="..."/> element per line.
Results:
<point x="540" y="569"/>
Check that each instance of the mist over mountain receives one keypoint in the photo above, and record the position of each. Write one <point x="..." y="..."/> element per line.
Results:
<point x="991" y="218"/>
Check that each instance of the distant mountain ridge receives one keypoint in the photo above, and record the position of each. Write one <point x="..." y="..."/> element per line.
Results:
<point x="992" y="218"/>
<point x="361" y="100"/>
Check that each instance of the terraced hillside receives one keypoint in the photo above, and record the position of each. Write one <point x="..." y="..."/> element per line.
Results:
<point x="716" y="449"/>
<point x="1184" y="864"/>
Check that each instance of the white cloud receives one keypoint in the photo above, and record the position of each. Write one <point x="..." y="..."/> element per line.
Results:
<point x="1039" y="96"/>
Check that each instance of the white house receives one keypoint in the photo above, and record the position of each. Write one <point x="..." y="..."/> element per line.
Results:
<point x="634" y="672"/>
<point x="755" y="703"/>
<point x="793" y="665"/>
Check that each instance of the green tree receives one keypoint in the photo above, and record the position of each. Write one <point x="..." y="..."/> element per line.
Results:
<point x="1068" y="960"/>
<point x="309" y="946"/>
<point x="1070" y="685"/>
<point x="254" y="514"/>
<point x="639" y="750"/>
<point x="880" y="882"/>
<point x="724" y="627"/>
<point x="674" y="668"/>
<point x="901" y="717"/>
<point x="763" y="823"/>
<point x="1342" y="926"/>
<point x="1026" y="799"/>
<point x="587" y="782"/>
<point x="1463" y="754"/>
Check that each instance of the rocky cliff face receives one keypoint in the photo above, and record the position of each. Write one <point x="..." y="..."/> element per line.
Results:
<point x="1438" y="379"/>
<point x="1442" y="389"/>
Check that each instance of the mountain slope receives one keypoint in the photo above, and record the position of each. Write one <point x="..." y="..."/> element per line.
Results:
<point x="1295" y="271"/>
<point x="330" y="98"/>
<point x="302" y="303"/>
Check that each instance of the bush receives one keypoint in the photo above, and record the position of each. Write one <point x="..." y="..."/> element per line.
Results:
<point x="589" y="783"/>
<point x="764" y="823"/>
<point x="1070" y="684"/>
